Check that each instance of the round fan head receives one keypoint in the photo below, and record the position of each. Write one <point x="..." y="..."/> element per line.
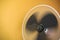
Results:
<point x="42" y="23"/>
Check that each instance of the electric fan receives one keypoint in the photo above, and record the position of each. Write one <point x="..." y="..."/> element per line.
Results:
<point x="42" y="24"/>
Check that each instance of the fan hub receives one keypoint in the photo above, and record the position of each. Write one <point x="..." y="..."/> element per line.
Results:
<point x="40" y="28"/>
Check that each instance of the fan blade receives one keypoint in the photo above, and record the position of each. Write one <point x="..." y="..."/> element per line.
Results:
<point x="31" y="23"/>
<point x="42" y="36"/>
<point x="49" y="21"/>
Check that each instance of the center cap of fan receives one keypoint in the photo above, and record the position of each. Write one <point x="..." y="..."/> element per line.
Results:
<point x="40" y="28"/>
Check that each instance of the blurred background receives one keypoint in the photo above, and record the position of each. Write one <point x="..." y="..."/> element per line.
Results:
<point x="12" y="13"/>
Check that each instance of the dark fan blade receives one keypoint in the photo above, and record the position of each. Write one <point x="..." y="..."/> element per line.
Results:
<point x="49" y="21"/>
<point x="42" y="36"/>
<point x="31" y="23"/>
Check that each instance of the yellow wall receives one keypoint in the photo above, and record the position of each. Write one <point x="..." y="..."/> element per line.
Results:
<point x="12" y="13"/>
